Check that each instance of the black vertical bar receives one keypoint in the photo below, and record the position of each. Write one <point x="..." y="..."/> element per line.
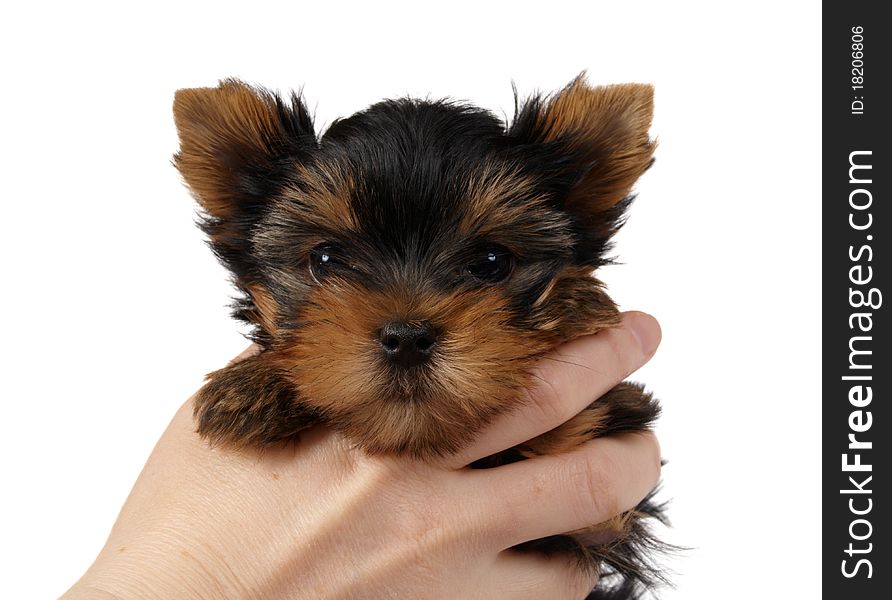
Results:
<point x="857" y="370"/>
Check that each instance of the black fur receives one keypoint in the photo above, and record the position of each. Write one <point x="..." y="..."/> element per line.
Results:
<point x="400" y="199"/>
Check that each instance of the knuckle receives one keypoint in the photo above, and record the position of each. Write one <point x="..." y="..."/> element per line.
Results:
<point x="500" y="517"/>
<point x="544" y="399"/>
<point x="624" y="359"/>
<point x="418" y="520"/>
<point x="425" y="515"/>
<point x="595" y="482"/>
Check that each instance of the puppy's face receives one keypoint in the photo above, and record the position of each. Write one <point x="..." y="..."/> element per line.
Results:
<point x="406" y="269"/>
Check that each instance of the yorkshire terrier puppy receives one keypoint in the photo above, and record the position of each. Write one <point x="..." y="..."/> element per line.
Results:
<point x="404" y="272"/>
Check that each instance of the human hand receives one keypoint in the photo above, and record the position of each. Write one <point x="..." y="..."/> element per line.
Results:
<point x="321" y="519"/>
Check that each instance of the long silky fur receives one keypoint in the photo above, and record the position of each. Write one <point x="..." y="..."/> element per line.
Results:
<point x="404" y="195"/>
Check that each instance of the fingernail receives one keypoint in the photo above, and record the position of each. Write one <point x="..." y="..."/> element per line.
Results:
<point x="646" y="331"/>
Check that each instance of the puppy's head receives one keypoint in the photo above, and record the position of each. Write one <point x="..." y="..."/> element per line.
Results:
<point x="405" y="269"/>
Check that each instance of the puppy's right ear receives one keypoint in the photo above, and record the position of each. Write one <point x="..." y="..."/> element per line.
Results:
<point x="236" y="143"/>
<point x="600" y="136"/>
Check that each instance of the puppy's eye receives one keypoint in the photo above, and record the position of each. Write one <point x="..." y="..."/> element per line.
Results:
<point x="491" y="265"/>
<point x="323" y="259"/>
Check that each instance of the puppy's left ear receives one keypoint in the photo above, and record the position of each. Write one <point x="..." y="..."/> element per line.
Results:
<point x="236" y="142"/>
<point x="601" y="136"/>
<point x="238" y="145"/>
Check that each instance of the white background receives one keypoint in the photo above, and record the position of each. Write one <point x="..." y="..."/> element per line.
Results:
<point x="113" y="308"/>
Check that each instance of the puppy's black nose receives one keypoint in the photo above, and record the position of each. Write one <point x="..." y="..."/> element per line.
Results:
<point x="408" y="344"/>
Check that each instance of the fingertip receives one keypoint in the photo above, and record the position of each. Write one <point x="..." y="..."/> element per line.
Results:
<point x="646" y="329"/>
<point x="656" y="454"/>
<point x="643" y="448"/>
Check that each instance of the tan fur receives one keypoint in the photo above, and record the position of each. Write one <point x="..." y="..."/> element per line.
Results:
<point x="574" y="304"/>
<point x="609" y="123"/>
<point x="472" y="377"/>
<point x="272" y="193"/>
<point x="497" y="196"/>
<point x="248" y="404"/>
<point x="570" y="435"/>
<point x="323" y="198"/>
<point x="267" y="309"/>
<point x="228" y="122"/>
